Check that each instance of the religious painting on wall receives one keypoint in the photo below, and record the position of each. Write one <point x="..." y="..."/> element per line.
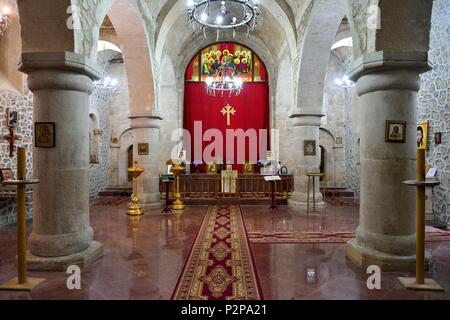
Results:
<point x="339" y="141"/>
<point x="309" y="148"/>
<point x="422" y="135"/>
<point x="12" y="117"/>
<point x="248" y="168"/>
<point x="437" y="138"/>
<point x="395" y="131"/>
<point x="44" y="134"/>
<point x="143" y="149"/>
<point x="6" y="175"/>
<point x="211" y="168"/>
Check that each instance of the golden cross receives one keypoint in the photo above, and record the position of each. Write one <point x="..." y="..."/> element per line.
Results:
<point x="228" y="111"/>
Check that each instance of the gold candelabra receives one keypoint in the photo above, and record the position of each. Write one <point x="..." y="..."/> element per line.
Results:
<point x="177" y="202"/>
<point x="134" y="209"/>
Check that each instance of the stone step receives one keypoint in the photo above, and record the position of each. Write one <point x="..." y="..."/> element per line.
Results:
<point x="339" y="192"/>
<point x="116" y="192"/>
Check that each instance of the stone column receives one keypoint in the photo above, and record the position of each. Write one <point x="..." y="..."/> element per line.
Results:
<point x="306" y="127"/>
<point x="61" y="83"/>
<point x="145" y="126"/>
<point x="387" y="83"/>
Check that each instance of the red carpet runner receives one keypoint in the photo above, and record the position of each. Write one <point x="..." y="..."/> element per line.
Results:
<point x="220" y="265"/>
<point x="327" y="236"/>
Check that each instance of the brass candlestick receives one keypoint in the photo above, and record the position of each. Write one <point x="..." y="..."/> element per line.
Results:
<point x="420" y="282"/>
<point x="177" y="202"/>
<point x="134" y="209"/>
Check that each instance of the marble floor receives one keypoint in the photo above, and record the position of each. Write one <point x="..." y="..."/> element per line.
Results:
<point x="143" y="259"/>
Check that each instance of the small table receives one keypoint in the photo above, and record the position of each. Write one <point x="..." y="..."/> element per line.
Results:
<point x="313" y="177"/>
<point x="166" y="180"/>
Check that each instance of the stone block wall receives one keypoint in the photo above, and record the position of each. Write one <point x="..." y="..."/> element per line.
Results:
<point x="433" y="105"/>
<point x="23" y="104"/>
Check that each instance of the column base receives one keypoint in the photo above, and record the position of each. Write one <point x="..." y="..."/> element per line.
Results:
<point x="302" y="207"/>
<point x="154" y="205"/>
<point x="81" y="259"/>
<point x="363" y="258"/>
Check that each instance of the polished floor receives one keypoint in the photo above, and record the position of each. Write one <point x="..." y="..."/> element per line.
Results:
<point x="143" y="259"/>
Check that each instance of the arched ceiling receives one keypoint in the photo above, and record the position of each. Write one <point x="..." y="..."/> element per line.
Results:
<point x="278" y="26"/>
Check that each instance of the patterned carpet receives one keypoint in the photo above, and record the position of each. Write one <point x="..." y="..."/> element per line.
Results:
<point x="220" y="265"/>
<point x="325" y="236"/>
<point x="111" y="202"/>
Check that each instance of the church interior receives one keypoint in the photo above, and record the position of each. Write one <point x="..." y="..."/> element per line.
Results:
<point x="224" y="150"/>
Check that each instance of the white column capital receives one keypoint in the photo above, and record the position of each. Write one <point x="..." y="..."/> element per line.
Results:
<point x="59" y="71"/>
<point x="379" y="61"/>
<point x="142" y="119"/>
<point x="303" y="118"/>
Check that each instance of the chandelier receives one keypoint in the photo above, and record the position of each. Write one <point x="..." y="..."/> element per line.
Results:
<point x="5" y="19"/>
<point x="224" y="15"/>
<point x="222" y="69"/>
<point x="106" y="82"/>
<point x="345" y="82"/>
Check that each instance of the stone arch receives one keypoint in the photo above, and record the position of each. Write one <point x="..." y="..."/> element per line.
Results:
<point x="324" y="21"/>
<point x="326" y="140"/>
<point x="255" y="44"/>
<point x="125" y="142"/>
<point x="133" y="41"/>
<point x="178" y="10"/>
<point x="11" y="47"/>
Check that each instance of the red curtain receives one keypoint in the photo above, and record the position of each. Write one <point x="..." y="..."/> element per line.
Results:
<point x="252" y="112"/>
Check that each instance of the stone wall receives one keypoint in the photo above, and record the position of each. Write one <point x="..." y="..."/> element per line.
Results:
<point x="334" y="124"/>
<point x="23" y="104"/>
<point x="433" y="105"/>
<point x="100" y="104"/>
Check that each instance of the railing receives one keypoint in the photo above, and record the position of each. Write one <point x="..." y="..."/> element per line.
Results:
<point x="252" y="186"/>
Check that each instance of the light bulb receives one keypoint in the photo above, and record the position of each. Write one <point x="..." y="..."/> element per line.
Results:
<point x="339" y="82"/>
<point x="204" y="17"/>
<point x="219" y="19"/>
<point x="6" y="10"/>
<point x="190" y="3"/>
<point x="114" y="82"/>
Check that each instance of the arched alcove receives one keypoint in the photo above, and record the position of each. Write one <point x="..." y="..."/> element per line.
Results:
<point x="222" y="111"/>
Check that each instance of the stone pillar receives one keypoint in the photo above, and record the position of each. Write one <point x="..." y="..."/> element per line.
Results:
<point x="306" y="127"/>
<point x="61" y="83"/>
<point x="387" y="83"/>
<point x="145" y="126"/>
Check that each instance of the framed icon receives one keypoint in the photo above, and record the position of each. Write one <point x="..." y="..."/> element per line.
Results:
<point x="309" y="148"/>
<point x="248" y="168"/>
<point x="44" y="135"/>
<point x="211" y="168"/>
<point x="12" y="117"/>
<point x="6" y="174"/>
<point x="395" y="131"/>
<point x="339" y="140"/>
<point x="437" y="137"/>
<point x="422" y="135"/>
<point x="143" y="149"/>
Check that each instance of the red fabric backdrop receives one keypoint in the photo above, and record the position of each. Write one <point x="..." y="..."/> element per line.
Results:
<point x="252" y="112"/>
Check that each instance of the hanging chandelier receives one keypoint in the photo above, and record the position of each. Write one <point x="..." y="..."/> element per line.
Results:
<point x="106" y="82"/>
<point x="223" y="70"/>
<point x="345" y="82"/>
<point x="5" y="19"/>
<point x="223" y="15"/>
